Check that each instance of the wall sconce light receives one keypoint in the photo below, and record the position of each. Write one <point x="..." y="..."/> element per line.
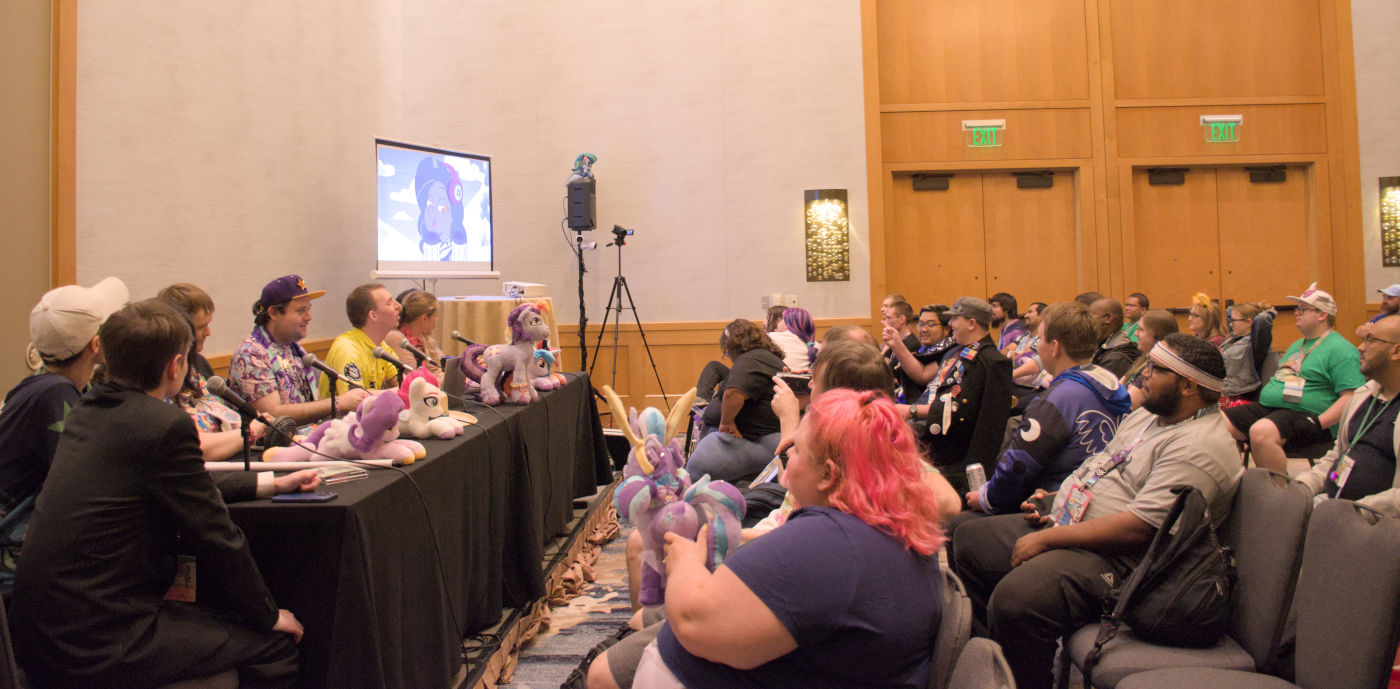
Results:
<point x="1390" y="221"/>
<point x="828" y="235"/>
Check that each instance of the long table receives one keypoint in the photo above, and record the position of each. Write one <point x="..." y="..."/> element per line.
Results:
<point x="362" y="574"/>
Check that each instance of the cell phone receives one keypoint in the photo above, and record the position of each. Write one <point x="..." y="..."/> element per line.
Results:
<point x="1043" y="504"/>
<point x="306" y="497"/>
<point x="801" y="383"/>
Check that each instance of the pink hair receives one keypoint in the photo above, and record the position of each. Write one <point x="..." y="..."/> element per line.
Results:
<point x="880" y="479"/>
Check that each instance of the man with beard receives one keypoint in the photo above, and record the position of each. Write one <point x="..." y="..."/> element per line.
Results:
<point x="1390" y="305"/>
<point x="1037" y="576"/>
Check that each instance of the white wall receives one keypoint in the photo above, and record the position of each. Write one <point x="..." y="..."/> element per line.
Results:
<point x="236" y="125"/>
<point x="1375" y="35"/>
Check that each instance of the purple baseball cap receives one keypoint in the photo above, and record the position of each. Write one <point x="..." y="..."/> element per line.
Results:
<point x="285" y="289"/>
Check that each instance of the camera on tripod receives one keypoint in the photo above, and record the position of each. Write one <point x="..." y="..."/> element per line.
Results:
<point x="621" y="234"/>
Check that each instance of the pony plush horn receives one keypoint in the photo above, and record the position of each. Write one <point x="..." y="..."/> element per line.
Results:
<point x="678" y="414"/>
<point x="620" y="413"/>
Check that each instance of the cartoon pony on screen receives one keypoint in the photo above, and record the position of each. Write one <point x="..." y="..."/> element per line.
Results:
<point x="657" y="495"/>
<point x="440" y="212"/>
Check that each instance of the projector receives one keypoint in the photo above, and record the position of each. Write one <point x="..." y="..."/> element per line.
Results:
<point x="523" y="290"/>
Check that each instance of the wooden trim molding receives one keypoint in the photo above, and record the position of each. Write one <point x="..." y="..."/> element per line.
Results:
<point x="63" y="254"/>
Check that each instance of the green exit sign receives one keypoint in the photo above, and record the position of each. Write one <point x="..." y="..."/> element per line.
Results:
<point x="983" y="133"/>
<point x="1222" y="129"/>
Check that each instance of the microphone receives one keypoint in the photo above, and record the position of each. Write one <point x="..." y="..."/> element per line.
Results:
<point x="457" y="335"/>
<point x="382" y="355"/>
<point x="310" y="360"/>
<point x="281" y="431"/>
<point x="217" y="386"/>
<point x="402" y="343"/>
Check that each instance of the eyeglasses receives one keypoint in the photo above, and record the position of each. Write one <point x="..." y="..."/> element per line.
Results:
<point x="1239" y="320"/>
<point x="1152" y="369"/>
<point x="1304" y="309"/>
<point x="927" y="324"/>
<point x="1369" y="338"/>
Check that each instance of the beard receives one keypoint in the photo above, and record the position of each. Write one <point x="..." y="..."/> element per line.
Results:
<point x="996" y="322"/>
<point x="1164" y="403"/>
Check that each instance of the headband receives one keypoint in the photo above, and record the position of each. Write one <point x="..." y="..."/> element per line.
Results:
<point x="1166" y="358"/>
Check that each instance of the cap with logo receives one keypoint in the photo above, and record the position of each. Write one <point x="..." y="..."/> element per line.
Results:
<point x="285" y="289"/>
<point x="971" y="307"/>
<point x="67" y="318"/>
<point x="1317" y="299"/>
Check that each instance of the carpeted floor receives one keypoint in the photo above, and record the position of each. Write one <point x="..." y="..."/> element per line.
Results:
<point x="578" y="627"/>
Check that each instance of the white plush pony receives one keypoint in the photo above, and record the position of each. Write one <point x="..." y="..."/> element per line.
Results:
<point x="427" y="414"/>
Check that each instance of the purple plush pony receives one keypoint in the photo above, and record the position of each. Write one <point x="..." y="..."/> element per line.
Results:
<point x="369" y="432"/>
<point x="489" y="364"/>
<point x="656" y="494"/>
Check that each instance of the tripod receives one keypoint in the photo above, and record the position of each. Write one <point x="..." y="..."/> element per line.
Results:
<point x="622" y="296"/>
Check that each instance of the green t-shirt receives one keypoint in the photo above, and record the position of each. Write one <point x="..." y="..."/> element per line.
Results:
<point x="1130" y="328"/>
<point x="1330" y="368"/>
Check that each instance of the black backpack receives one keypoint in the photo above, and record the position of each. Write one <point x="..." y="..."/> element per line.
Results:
<point x="1179" y="595"/>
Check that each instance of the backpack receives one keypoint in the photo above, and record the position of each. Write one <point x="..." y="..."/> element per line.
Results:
<point x="1179" y="595"/>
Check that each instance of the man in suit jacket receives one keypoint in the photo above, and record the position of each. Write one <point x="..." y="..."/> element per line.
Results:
<point x="126" y="496"/>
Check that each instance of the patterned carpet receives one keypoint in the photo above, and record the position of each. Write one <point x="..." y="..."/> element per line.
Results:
<point x="578" y="627"/>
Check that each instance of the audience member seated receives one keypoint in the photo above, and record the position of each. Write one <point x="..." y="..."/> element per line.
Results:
<point x="417" y="321"/>
<point x="748" y="430"/>
<point x="864" y="610"/>
<point x="267" y="368"/>
<point x="1116" y="352"/>
<point x="914" y="370"/>
<point x="967" y="413"/>
<point x="900" y="317"/>
<point x="1026" y="369"/>
<point x="1251" y="338"/>
<point x="1155" y="326"/>
<point x="1040" y="575"/>
<point x="1306" y="396"/>
<point x="63" y="331"/>
<point x="1072" y="420"/>
<point x="1204" y="320"/>
<point x="796" y="335"/>
<point x="373" y="313"/>
<point x="1133" y="308"/>
<point x="1005" y="316"/>
<point x="1361" y="465"/>
<point x="1088" y="298"/>
<point x="126" y="495"/>
<point x="1390" y="305"/>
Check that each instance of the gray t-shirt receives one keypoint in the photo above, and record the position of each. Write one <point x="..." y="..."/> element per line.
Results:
<point x="1198" y="452"/>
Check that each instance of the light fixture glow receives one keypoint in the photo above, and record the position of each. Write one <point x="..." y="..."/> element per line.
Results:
<point x="828" y="236"/>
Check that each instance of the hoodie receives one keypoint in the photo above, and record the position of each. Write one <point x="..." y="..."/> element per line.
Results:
<point x="1072" y="421"/>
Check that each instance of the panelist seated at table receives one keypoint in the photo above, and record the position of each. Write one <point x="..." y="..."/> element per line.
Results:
<point x="417" y="321"/>
<point x="127" y="496"/>
<point x="373" y="312"/>
<point x="267" y="369"/>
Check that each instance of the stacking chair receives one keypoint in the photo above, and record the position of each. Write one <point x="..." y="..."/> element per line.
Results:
<point x="1265" y="530"/>
<point x="954" y="628"/>
<point x="981" y="665"/>
<point x="1347" y="605"/>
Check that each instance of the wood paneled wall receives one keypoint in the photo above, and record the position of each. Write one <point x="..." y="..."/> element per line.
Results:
<point x="1104" y="90"/>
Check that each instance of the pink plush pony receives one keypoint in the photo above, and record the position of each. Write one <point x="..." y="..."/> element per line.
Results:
<point x="369" y="432"/>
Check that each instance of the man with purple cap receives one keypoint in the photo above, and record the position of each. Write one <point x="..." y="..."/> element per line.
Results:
<point x="63" y="337"/>
<point x="1390" y="305"/>
<point x="1307" y="395"/>
<point x="267" y="369"/>
<point x="1037" y="576"/>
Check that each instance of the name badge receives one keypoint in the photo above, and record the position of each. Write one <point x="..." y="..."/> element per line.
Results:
<point x="1075" y="504"/>
<point x="1341" y="472"/>
<point x="183" y="588"/>
<point x="1293" y="389"/>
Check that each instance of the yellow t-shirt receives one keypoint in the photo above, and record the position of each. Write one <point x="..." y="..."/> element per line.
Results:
<point x="352" y="353"/>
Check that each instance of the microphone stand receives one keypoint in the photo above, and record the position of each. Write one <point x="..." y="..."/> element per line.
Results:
<point x="246" y="430"/>
<point x="334" y="383"/>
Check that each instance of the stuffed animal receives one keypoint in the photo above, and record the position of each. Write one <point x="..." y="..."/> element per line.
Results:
<point x="369" y="432"/>
<point x="658" y="496"/>
<point x="426" y="415"/>
<point x="506" y="372"/>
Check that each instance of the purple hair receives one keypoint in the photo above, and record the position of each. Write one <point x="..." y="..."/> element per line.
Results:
<point x="799" y="323"/>
<point x="433" y="169"/>
<point x="517" y="330"/>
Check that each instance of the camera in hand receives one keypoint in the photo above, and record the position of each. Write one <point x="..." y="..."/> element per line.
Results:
<point x="801" y="383"/>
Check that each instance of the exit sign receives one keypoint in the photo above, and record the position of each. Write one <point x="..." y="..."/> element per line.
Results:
<point x="1222" y="129"/>
<point x="983" y="133"/>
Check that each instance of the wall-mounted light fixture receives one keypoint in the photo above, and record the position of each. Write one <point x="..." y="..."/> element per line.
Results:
<point x="828" y="235"/>
<point x="1390" y="221"/>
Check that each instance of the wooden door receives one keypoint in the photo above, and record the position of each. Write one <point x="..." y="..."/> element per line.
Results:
<point x="1031" y="246"/>
<point x="1176" y="250"/>
<point x="1264" y="245"/>
<point x="934" y="250"/>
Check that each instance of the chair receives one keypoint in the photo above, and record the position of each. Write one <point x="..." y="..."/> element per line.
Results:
<point x="981" y="665"/>
<point x="1270" y="366"/>
<point x="1347" y="605"/>
<point x="954" y="628"/>
<point x="1265" y="530"/>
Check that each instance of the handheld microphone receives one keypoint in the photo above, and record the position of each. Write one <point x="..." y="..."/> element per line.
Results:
<point x="217" y="386"/>
<point x="310" y="360"/>
<point x="382" y="355"/>
<point x="281" y="432"/>
<point x="457" y="335"/>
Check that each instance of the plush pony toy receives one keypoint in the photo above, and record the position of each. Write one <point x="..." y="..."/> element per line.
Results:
<point x="658" y="496"/>
<point x="426" y="415"/>
<point x="369" y="432"/>
<point x="506" y="372"/>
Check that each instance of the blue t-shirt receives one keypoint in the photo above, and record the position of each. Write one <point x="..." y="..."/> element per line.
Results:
<point x="864" y="610"/>
<point x="30" y="424"/>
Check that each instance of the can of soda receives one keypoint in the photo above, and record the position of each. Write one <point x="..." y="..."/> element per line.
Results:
<point x="976" y="477"/>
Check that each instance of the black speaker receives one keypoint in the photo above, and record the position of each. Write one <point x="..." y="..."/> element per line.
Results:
<point x="582" y="199"/>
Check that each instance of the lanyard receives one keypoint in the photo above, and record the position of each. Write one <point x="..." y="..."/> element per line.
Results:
<point x="1366" y="422"/>
<point x="1116" y="460"/>
<point x="1309" y="350"/>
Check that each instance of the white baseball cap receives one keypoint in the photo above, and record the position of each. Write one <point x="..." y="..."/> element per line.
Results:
<point x="67" y="318"/>
<point x="1317" y="299"/>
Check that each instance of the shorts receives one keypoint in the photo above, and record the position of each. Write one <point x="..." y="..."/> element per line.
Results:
<point x="1299" y="429"/>
<point x="626" y="655"/>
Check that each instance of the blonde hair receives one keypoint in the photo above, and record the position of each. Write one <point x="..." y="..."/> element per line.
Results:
<point x="1208" y="311"/>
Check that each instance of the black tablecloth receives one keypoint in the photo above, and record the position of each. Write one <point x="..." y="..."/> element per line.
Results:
<point x="362" y="574"/>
